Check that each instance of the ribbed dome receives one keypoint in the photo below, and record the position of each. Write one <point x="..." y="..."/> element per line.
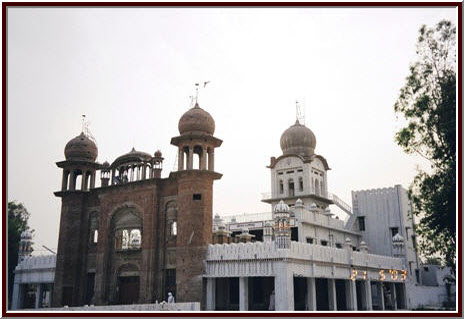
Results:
<point x="298" y="140"/>
<point x="26" y="235"/>
<point x="132" y="157"/>
<point x="281" y="207"/>
<point x="81" y="148"/>
<point x="196" y="120"/>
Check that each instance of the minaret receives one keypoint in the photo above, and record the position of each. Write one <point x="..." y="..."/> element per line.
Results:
<point x="282" y="233"/>
<point x="81" y="154"/>
<point x="195" y="177"/>
<point x="25" y="246"/>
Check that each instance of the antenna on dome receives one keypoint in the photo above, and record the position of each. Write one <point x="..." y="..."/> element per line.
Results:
<point x="196" y="92"/>
<point x="86" y="130"/>
<point x="83" y="123"/>
<point x="300" y="113"/>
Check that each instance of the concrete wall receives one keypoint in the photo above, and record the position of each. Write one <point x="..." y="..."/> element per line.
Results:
<point x="383" y="209"/>
<point x="184" y="306"/>
<point x="426" y="296"/>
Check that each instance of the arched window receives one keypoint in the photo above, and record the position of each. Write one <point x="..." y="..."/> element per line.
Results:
<point x="281" y="187"/>
<point x="291" y="187"/>
<point x="127" y="229"/>
<point x="300" y="182"/>
<point x="318" y="191"/>
<point x="171" y="217"/>
<point x="95" y="236"/>
<point x="174" y="228"/>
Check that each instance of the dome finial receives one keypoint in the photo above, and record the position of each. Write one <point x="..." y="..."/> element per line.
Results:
<point x="300" y="117"/>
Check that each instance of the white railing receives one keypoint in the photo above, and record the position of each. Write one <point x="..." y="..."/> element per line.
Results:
<point x="246" y="217"/>
<point x="302" y="251"/>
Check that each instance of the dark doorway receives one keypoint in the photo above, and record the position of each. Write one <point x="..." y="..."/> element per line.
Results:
<point x="258" y="234"/>
<point x="28" y="298"/>
<point x="299" y="292"/>
<point x="294" y="234"/>
<point x="359" y="295"/>
<point x="227" y="294"/>
<point x="259" y="292"/>
<point x="322" y="294"/>
<point x="90" y="288"/>
<point x="67" y="295"/>
<point x="341" y="294"/>
<point x="128" y="290"/>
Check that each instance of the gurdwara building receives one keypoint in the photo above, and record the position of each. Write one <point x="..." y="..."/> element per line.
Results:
<point x="137" y="236"/>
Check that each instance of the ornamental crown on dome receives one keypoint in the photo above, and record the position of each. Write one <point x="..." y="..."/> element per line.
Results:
<point x="281" y="207"/>
<point x="397" y="238"/>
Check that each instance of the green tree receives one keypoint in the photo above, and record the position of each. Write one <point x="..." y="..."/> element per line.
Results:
<point x="18" y="217"/>
<point x="428" y="103"/>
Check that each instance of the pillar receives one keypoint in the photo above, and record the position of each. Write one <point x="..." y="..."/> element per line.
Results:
<point x="311" y="303"/>
<point x="72" y="184"/>
<point x="350" y="292"/>
<point x="144" y="171"/>
<point x="211" y="160"/>
<point x="180" y="157"/>
<point x="368" y="294"/>
<point x="210" y="293"/>
<point x="284" y="299"/>
<point x="16" y="298"/>
<point x="393" y="289"/>
<point x="404" y="296"/>
<point x="64" y="181"/>
<point x="92" y="180"/>
<point x="190" y="158"/>
<point x="83" y="178"/>
<point x="332" y="294"/>
<point x="203" y="159"/>
<point x="113" y="175"/>
<point x="243" y="293"/>
<point x="38" y="293"/>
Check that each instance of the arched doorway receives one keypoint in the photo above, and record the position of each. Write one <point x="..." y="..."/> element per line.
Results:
<point x="128" y="284"/>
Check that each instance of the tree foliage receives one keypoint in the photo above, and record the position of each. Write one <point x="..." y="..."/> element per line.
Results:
<point x="18" y="217"/>
<point x="428" y="103"/>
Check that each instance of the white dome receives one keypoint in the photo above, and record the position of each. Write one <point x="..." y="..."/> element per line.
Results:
<point x="26" y="235"/>
<point x="281" y="207"/>
<point x="398" y="238"/>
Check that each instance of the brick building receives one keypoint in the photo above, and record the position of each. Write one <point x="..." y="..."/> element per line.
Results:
<point x="137" y="236"/>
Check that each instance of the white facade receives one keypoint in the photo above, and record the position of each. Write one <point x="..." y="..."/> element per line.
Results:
<point x="33" y="282"/>
<point x="386" y="211"/>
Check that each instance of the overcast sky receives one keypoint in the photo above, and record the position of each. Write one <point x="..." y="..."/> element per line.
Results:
<point x="132" y="70"/>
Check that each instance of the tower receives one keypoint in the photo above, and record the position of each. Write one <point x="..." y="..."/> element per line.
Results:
<point x="195" y="177"/>
<point x="25" y="245"/>
<point x="80" y="165"/>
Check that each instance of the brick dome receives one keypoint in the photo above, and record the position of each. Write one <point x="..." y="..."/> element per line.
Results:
<point x="196" y="120"/>
<point x="81" y="148"/>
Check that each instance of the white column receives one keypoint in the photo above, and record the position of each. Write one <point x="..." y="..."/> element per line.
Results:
<point x="210" y="293"/>
<point x="382" y="300"/>
<point x="393" y="288"/>
<point x="311" y="304"/>
<point x="350" y="291"/>
<point x="38" y="292"/>
<point x="368" y="294"/>
<point x="16" y="301"/>
<point x="243" y="293"/>
<point x="332" y="294"/>
<point x="283" y="284"/>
